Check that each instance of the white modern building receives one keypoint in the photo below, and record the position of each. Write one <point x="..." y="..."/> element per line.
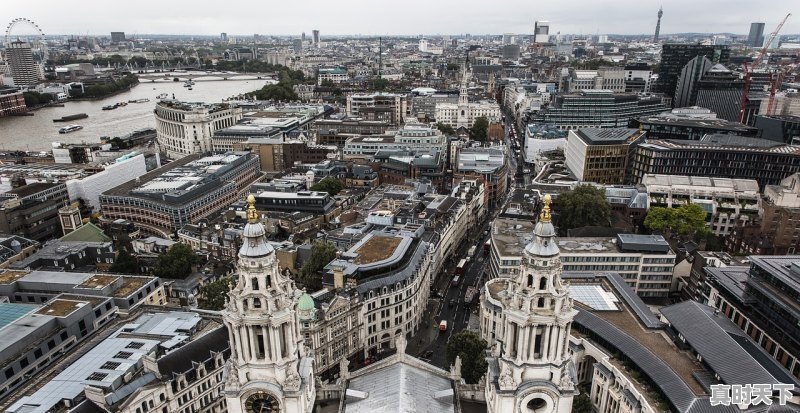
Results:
<point x="645" y="262"/>
<point x="361" y="104"/>
<point x="730" y="202"/>
<point x="413" y="136"/>
<point x="184" y="128"/>
<point x="334" y="74"/>
<point x="89" y="188"/>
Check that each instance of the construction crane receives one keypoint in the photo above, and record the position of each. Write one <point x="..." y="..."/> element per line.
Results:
<point x="748" y="71"/>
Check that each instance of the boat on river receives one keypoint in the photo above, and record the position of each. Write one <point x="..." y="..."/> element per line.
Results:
<point x="70" y="128"/>
<point x="71" y="117"/>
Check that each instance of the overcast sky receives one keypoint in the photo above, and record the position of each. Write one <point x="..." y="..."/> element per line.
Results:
<point x="397" y="17"/>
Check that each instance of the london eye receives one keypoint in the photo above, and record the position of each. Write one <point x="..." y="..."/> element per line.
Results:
<point x="37" y="40"/>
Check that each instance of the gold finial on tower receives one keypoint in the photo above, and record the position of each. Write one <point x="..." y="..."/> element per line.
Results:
<point x="545" y="215"/>
<point x="252" y="215"/>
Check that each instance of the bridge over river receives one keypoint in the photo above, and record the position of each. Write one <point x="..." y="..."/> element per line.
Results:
<point x="202" y="76"/>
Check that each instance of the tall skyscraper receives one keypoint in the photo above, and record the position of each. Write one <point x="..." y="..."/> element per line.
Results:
<point x="675" y="56"/>
<point x="658" y="24"/>
<point x="24" y="71"/>
<point x="269" y="369"/>
<point x="303" y="37"/>
<point x="541" y="31"/>
<point x="686" y="89"/>
<point x="756" y="36"/>
<point x="315" y="37"/>
<point x="117" y="37"/>
<point x="223" y="36"/>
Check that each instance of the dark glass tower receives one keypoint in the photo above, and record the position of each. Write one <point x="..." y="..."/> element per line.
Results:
<point x="675" y="56"/>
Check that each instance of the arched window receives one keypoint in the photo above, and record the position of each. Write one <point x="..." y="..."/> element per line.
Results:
<point x="540" y="304"/>
<point x="462" y="112"/>
<point x="254" y="282"/>
<point x="256" y="303"/>
<point x="543" y="283"/>
<point x="530" y="280"/>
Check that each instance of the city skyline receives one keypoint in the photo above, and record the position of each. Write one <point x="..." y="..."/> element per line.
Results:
<point x="415" y="17"/>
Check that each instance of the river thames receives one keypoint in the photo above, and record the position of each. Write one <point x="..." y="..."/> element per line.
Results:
<point x="36" y="133"/>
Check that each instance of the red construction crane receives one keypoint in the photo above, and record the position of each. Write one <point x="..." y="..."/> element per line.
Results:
<point x="748" y="71"/>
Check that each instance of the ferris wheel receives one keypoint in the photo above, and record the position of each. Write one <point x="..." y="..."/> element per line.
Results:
<point x="37" y="40"/>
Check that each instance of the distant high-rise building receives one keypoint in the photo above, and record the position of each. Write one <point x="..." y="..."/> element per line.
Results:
<point x="686" y="89"/>
<point x="303" y="37"/>
<point x="509" y="38"/>
<point x="223" y="36"/>
<point x="315" y="37"/>
<point x="675" y="56"/>
<point x="756" y="36"/>
<point x="658" y="24"/>
<point x="24" y="71"/>
<point x="541" y="32"/>
<point x="511" y="52"/>
<point x="117" y="37"/>
<point x="297" y="45"/>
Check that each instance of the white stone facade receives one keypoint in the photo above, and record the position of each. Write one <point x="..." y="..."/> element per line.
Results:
<point x="186" y="128"/>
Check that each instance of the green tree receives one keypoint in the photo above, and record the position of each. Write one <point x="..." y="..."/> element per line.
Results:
<point x="213" y="295"/>
<point x="137" y="61"/>
<point x="453" y="66"/>
<point x="470" y="347"/>
<point x="116" y="60"/>
<point x="479" y="129"/>
<point x="328" y="184"/>
<point x="125" y="263"/>
<point x="327" y="83"/>
<point x="176" y="263"/>
<point x="380" y="84"/>
<point x="585" y="206"/>
<point x="582" y="403"/>
<point x="446" y="129"/>
<point x="688" y="220"/>
<point x="322" y="253"/>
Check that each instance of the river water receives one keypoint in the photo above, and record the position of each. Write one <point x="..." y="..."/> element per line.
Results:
<point x="36" y="133"/>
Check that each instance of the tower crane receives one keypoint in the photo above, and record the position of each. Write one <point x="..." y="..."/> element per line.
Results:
<point x="748" y="71"/>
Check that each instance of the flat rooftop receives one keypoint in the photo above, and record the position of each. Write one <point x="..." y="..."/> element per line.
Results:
<point x="129" y="285"/>
<point x="98" y="281"/>
<point x="586" y="245"/>
<point x="376" y="249"/>
<point x="510" y="236"/>
<point x="607" y="136"/>
<point x="60" y="307"/>
<point x="701" y="182"/>
<point x="11" y="312"/>
<point x="9" y="276"/>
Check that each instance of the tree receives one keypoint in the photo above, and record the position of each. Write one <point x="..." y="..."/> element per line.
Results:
<point x="470" y="347"/>
<point x="479" y="129"/>
<point x="322" y="253"/>
<point x="213" y="294"/>
<point x="688" y="220"/>
<point x="328" y="184"/>
<point x="380" y="84"/>
<point x="446" y="129"/>
<point x="585" y="206"/>
<point x="327" y="83"/>
<point x="176" y="263"/>
<point x="453" y="66"/>
<point x="125" y="263"/>
<point x="581" y="403"/>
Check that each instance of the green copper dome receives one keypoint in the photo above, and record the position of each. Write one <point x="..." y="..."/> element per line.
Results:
<point x="305" y="303"/>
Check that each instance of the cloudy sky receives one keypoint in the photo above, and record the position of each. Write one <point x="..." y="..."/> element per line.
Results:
<point x="396" y="17"/>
